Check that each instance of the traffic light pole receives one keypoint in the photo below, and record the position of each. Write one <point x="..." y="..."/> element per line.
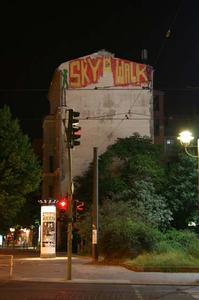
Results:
<point x="73" y="136"/>
<point x="70" y="216"/>
<point x="95" y="206"/>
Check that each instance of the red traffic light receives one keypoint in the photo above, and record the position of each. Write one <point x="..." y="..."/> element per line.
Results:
<point x="62" y="204"/>
<point x="80" y="206"/>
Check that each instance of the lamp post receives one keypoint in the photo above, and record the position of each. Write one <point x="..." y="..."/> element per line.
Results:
<point x="185" y="137"/>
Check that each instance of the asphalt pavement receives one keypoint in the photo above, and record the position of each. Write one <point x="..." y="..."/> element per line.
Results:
<point x="84" y="270"/>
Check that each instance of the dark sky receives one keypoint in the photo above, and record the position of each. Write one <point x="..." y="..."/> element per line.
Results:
<point x="37" y="37"/>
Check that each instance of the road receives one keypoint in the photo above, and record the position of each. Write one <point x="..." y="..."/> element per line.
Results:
<point x="20" y="290"/>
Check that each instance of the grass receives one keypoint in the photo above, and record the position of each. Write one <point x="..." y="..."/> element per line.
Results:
<point x="166" y="262"/>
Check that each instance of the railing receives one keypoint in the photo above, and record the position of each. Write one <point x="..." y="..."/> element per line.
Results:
<point x="6" y="261"/>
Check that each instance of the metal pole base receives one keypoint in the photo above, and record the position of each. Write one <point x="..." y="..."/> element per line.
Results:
<point x="94" y="252"/>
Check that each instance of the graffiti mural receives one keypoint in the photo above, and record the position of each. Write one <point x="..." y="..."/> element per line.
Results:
<point x="115" y="72"/>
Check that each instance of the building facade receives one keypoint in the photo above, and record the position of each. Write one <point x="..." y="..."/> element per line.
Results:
<point x="115" y="100"/>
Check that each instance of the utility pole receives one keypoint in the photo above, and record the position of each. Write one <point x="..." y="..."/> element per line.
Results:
<point x="70" y="204"/>
<point x="70" y="215"/>
<point x="95" y="206"/>
<point x="73" y="135"/>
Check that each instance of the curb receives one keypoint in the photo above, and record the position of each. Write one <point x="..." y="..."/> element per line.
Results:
<point x="100" y="281"/>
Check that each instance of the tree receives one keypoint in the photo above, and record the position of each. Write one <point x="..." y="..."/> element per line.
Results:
<point x="162" y="190"/>
<point x="132" y="170"/>
<point x="20" y="172"/>
<point x="120" y="234"/>
<point x="146" y="205"/>
<point x="129" y="159"/>
<point x="181" y="189"/>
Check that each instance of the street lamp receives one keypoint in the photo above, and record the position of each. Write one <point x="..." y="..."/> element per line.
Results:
<point x="185" y="137"/>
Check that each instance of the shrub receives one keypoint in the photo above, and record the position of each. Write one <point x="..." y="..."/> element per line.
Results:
<point x="193" y="248"/>
<point x="165" y="247"/>
<point x="143" y="238"/>
<point x="85" y="231"/>
<point x="185" y="240"/>
<point x="115" y="240"/>
<point x="124" y="238"/>
<point x="174" y="261"/>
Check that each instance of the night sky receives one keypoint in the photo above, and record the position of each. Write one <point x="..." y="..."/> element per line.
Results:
<point x="36" y="38"/>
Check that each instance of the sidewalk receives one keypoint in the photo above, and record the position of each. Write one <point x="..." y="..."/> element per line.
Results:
<point x="34" y="268"/>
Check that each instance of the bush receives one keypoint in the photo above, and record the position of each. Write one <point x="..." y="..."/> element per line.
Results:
<point x="193" y="248"/>
<point x="85" y="232"/>
<point x="174" y="261"/>
<point x="143" y="238"/>
<point x="183" y="240"/>
<point x="164" y="247"/>
<point x="115" y="240"/>
<point x="124" y="238"/>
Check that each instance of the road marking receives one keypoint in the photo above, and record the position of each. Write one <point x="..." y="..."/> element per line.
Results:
<point x="195" y="296"/>
<point x="193" y="291"/>
<point x="137" y="292"/>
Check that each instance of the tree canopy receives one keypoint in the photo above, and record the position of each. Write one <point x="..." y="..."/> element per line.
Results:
<point x="160" y="190"/>
<point x="123" y="162"/>
<point x="20" y="171"/>
<point x="180" y="189"/>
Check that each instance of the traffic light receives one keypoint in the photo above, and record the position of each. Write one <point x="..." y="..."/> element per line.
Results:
<point x="74" y="130"/>
<point x="62" y="205"/>
<point x="79" y="207"/>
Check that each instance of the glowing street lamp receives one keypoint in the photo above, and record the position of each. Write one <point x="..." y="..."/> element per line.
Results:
<point x="185" y="137"/>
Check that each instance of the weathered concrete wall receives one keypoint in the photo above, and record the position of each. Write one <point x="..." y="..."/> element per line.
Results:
<point x="106" y="115"/>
